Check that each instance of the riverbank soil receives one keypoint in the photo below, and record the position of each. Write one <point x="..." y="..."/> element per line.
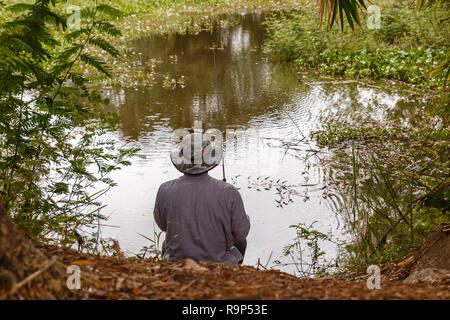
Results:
<point x="147" y="279"/>
<point x="112" y="278"/>
<point x="40" y="272"/>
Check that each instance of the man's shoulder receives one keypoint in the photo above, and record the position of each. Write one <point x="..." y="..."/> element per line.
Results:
<point x="219" y="184"/>
<point x="168" y="183"/>
<point x="224" y="185"/>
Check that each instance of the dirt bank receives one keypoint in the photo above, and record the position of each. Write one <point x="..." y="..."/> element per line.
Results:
<point x="113" y="278"/>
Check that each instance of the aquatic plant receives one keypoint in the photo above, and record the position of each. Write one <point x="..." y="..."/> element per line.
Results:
<point x="306" y="253"/>
<point x="394" y="183"/>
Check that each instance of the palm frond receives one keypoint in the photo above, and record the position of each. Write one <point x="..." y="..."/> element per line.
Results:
<point x="334" y="11"/>
<point x="442" y="70"/>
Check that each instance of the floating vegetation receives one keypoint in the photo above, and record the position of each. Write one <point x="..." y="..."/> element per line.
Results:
<point x="284" y="192"/>
<point x="171" y="83"/>
<point x="131" y="72"/>
<point x="144" y="18"/>
<point x="409" y="65"/>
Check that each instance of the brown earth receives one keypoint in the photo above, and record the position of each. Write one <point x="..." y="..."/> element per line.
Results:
<point x="30" y="272"/>
<point x="23" y="265"/>
<point x="432" y="257"/>
<point x="110" y="278"/>
<point x="113" y="278"/>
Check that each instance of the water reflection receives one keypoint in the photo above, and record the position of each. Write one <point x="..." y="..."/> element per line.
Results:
<point x="265" y="100"/>
<point x="246" y="87"/>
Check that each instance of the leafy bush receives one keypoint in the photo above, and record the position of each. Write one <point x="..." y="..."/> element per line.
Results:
<point x="307" y="256"/>
<point x="402" y="49"/>
<point x="393" y="183"/>
<point x="410" y="65"/>
<point x="52" y="130"/>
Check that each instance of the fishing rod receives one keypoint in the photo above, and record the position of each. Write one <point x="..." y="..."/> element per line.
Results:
<point x="214" y="48"/>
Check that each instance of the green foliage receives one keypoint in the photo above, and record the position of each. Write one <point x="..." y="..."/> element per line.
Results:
<point x="306" y="253"/>
<point x="442" y="70"/>
<point x="52" y="145"/>
<point x="336" y="9"/>
<point x="394" y="183"/>
<point x="155" y="249"/>
<point x="402" y="49"/>
<point x="283" y="190"/>
<point x="410" y="65"/>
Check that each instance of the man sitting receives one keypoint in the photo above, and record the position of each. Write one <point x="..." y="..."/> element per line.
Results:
<point x="204" y="218"/>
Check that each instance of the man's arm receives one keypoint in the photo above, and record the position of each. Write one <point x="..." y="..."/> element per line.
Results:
<point x="240" y="223"/>
<point x="159" y="213"/>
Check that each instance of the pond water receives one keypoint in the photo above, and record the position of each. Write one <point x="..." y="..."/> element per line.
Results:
<point x="266" y="102"/>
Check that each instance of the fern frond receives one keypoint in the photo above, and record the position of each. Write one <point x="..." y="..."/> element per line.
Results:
<point x="57" y="70"/>
<point x="69" y="37"/>
<point x="104" y="45"/>
<point x="107" y="28"/>
<point x="19" y="7"/>
<point x="100" y="66"/>
<point x="109" y="11"/>
<point x="69" y="52"/>
<point x="54" y="18"/>
<point x="80" y="81"/>
<point x="77" y="78"/>
<point x="87" y="13"/>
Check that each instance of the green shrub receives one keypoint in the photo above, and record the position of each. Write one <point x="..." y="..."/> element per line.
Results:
<point x="402" y="49"/>
<point x="52" y="144"/>
<point x="394" y="186"/>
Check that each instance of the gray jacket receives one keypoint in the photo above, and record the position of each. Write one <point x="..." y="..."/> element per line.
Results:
<point x="204" y="219"/>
